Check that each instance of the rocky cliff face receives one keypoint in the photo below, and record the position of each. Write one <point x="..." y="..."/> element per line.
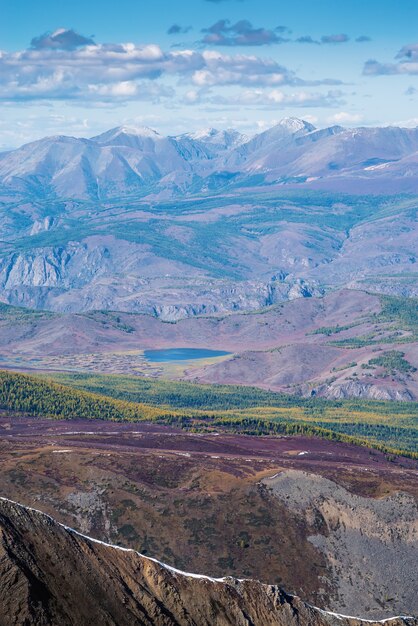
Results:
<point x="49" y="574"/>
<point x="107" y="273"/>
<point x="352" y="530"/>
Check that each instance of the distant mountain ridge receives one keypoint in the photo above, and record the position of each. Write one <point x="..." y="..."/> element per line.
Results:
<point x="128" y="161"/>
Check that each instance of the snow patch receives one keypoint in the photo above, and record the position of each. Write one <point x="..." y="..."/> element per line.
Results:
<point x="367" y="621"/>
<point x="113" y="547"/>
<point x="179" y="572"/>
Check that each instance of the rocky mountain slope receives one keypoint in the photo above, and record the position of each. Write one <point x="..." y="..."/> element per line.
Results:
<point x="50" y="574"/>
<point x="358" y="529"/>
<point x="207" y="222"/>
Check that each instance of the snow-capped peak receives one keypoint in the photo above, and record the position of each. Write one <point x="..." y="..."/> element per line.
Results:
<point x="227" y="138"/>
<point x="140" y="132"/>
<point x="203" y="133"/>
<point x="295" y="125"/>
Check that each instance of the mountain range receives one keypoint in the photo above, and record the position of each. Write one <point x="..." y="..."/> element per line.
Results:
<point x="207" y="222"/>
<point x="139" y="161"/>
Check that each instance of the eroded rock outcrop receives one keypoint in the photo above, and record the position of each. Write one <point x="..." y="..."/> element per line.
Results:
<point x="370" y="544"/>
<point x="49" y="574"/>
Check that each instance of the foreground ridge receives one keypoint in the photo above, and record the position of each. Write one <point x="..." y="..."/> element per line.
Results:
<point x="51" y="574"/>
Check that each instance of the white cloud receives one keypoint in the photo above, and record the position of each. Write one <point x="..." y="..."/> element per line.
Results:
<point x="129" y="89"/>
<point x="406" y="63"/>
<point x="101" y="71"/>
<point x="62" y="38"/>
<point x="193" y="96"/>
<point x="298" y="98"/>
<point x="265" y="98"/>
<point x="35" y="125"/>
<point x="345" y="118"/>
<point x="409" y="123"/>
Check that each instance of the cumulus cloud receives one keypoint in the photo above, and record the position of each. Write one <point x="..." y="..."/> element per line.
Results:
<point x="408" y="53"/>
<point x="411" y="123"/>
<point x="242" y="33"/>
<point x="375" y="68"/>
<point x="75" y="74"/>
<point x="176" y="29"/>
<point x="127" y="71"/>
<point x="129" y="90"/>
<point x="247" y="70"/>
<point x="345" y="118"/>
<point x="363" y="39"/>
<point x="406" y="62"/>
<point x="335" y="39"/>
<point x="61" y="39"/>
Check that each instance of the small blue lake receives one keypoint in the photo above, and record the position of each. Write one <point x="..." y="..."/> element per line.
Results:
<point x="181" y="354"/>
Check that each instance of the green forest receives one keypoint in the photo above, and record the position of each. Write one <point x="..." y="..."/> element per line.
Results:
<point x="390" y="427"/>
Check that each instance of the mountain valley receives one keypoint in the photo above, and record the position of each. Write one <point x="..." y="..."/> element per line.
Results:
<point x="346" y="344"/>
<point x="279" y="456"/>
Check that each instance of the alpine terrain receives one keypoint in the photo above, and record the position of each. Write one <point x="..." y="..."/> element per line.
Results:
<point x="52" y="575"/>
<point x="208" y="313"/>
<point x="207" y="222"/>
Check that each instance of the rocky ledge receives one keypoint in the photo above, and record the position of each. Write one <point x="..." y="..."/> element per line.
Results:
<point x="50" y="575"/>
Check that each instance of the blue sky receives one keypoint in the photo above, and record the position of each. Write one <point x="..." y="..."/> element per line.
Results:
<point x="81" y="67"/>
